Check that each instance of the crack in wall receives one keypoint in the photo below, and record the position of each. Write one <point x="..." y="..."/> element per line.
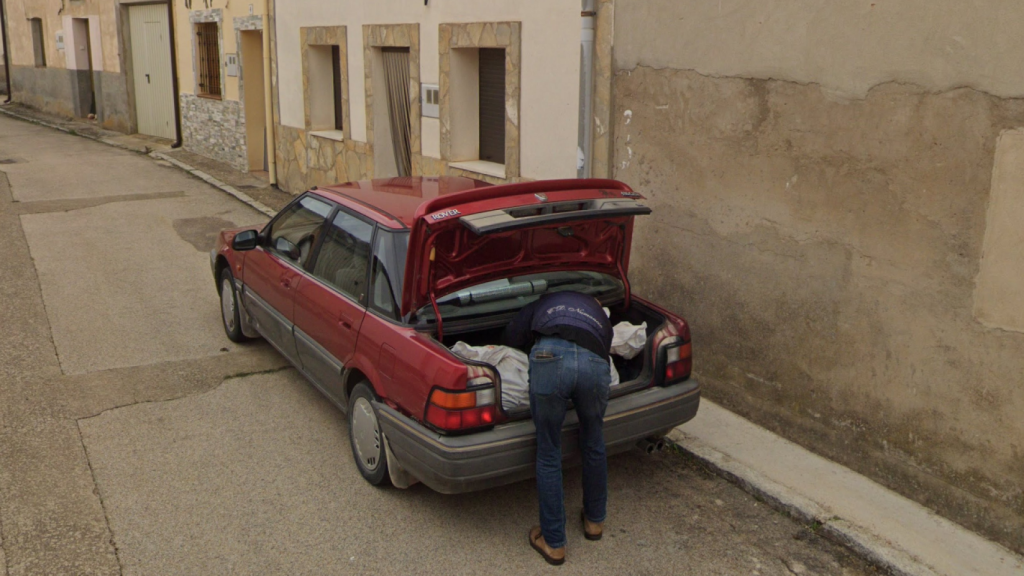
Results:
<point x="841" y="96"/>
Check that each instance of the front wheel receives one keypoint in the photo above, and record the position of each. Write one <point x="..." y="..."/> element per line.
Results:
<point x="229" y="311"/>
<point x="365" y="435"/>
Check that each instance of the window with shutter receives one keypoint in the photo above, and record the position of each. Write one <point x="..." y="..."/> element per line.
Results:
<point x="208" y="59"/>
<point x="336" y="70"/>
<point x="492" y="105"/>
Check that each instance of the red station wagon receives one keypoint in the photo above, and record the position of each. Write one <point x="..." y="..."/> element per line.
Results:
<point x="366" y="286"/>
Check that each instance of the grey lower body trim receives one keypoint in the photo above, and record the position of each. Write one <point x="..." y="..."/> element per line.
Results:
<point x="325" y="369"/>
<point x="506" y="454"/>
<point x="272" y="325"/>
<point x="245" y="319"/>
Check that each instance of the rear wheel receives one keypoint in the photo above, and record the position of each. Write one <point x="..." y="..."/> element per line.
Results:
<point x="365" y="435"/>
<point x="229" y="311"/>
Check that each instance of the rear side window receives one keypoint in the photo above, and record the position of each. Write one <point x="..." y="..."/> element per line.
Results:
<point x="299" y="226"/>
<point x="389" y="250"/>
<point x="344" y="258"/>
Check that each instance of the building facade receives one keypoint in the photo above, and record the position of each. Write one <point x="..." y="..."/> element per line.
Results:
<point x="106" y="59"/>
<point x="220" y="79"/>
<point x="390" y="89"/>
<point x="837" y="194"/>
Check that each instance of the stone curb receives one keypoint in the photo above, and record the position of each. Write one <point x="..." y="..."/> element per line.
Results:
<point x="231" y="190"/>
<point x="865" y="544"/>
<point x="157" y="155"/>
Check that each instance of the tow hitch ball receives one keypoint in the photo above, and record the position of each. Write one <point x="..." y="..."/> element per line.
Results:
<point x="651" y="445"/>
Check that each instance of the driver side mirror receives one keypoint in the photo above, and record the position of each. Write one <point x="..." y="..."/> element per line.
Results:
<point x="291" y="251"/>
<point x="245" y="240"/>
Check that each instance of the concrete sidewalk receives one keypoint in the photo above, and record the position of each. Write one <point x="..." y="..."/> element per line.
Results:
<point x="892" y="531"/>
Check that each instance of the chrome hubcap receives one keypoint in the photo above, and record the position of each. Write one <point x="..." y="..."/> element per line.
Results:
<point x="227" y="304"/>
<point x="366" y="435"/>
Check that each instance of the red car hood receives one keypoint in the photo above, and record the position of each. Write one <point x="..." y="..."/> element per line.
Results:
<point x="467" y="238"/>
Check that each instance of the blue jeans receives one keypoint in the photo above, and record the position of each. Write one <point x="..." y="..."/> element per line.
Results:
<point x="561" y="372"/>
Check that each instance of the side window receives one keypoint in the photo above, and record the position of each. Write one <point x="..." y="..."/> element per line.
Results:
<point x="293" y="235"/>
<point x="343" y="259"/>
<point x="388" y="268"/>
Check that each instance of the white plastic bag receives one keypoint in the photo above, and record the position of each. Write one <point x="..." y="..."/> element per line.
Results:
<point x="513" y="366"/>
<point x="628" y="340"/>
<point x="615" y="373"/>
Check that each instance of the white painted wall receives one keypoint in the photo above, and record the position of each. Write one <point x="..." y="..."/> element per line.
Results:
<point x="550" y="69"/>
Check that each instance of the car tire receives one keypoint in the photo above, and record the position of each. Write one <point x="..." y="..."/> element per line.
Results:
<point x="230" y="313"/>
<point x="366" y="436"/>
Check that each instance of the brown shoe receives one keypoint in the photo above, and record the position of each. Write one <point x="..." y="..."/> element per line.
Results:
<point x="554" y="556"/>
<point x="591" y="530"/>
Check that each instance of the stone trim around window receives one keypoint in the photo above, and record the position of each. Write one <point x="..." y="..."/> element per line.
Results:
<point x="326" y="36"/>
<point x="507" y="35"/>
<point x="202" y="17"/>
<point x="396" y="36"/>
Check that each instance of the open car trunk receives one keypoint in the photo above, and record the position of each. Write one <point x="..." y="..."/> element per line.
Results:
<point x="634" y="374"/>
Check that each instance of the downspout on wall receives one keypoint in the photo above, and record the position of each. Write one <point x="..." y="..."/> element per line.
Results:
<point x="174" y="76"/>
<point x="268" y="98"/>
<point x="584" y="166"/>
<point x="7" y="50"/>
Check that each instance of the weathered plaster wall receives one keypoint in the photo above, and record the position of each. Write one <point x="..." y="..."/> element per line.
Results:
<point x="215" y="127"/>
<point x="61" y="87"/>
<point x="824" y="233"/>
<point x="184" y="39"/>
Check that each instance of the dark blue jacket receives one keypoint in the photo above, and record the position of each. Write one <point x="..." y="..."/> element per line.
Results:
<point x="571" y="316"/>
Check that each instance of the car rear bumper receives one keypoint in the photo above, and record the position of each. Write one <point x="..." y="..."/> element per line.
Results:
<point x="506" y="454"/>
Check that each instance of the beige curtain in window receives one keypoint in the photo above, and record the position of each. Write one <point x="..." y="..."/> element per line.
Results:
<point x="396" y="76"/>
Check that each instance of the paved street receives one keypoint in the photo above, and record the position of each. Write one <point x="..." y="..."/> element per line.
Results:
<point x="136" y="439"/>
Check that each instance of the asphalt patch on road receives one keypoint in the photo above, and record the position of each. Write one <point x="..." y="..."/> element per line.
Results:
<point x="257" y="477"/>
<point x="201" y="232"/>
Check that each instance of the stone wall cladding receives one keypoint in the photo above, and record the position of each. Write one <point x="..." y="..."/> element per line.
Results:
<point x="304" y="161"/>
<point x="215" y="129"/>
<point x="825" y="252"/>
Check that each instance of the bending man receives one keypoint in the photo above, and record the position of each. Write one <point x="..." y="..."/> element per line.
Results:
<point x="571" y="338"/>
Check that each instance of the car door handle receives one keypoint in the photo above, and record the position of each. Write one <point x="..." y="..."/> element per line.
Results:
<point x="345" y="321"/>
<point x="286" y="283"/>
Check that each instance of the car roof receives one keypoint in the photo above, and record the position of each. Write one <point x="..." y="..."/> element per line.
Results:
<point x="394" y="201"/>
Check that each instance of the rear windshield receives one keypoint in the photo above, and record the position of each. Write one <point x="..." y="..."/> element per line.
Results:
<point x="510" y="294"/>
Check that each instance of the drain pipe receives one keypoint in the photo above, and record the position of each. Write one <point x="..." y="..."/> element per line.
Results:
<point x="268" y="96"/>
<point x="586" y="128"/>
<point x="7" y="50"/>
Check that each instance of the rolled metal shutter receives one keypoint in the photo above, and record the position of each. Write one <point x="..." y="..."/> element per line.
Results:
<point x="492" y="105"/>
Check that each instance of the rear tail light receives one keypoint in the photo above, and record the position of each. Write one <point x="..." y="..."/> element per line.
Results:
<point x="673" y="351"/>
<point x="460" y="410"/>
<point x="678" y="362"/>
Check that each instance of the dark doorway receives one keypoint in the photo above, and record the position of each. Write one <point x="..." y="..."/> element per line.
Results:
<point x="82" y="45"/>
<point x="492" y="105"/>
